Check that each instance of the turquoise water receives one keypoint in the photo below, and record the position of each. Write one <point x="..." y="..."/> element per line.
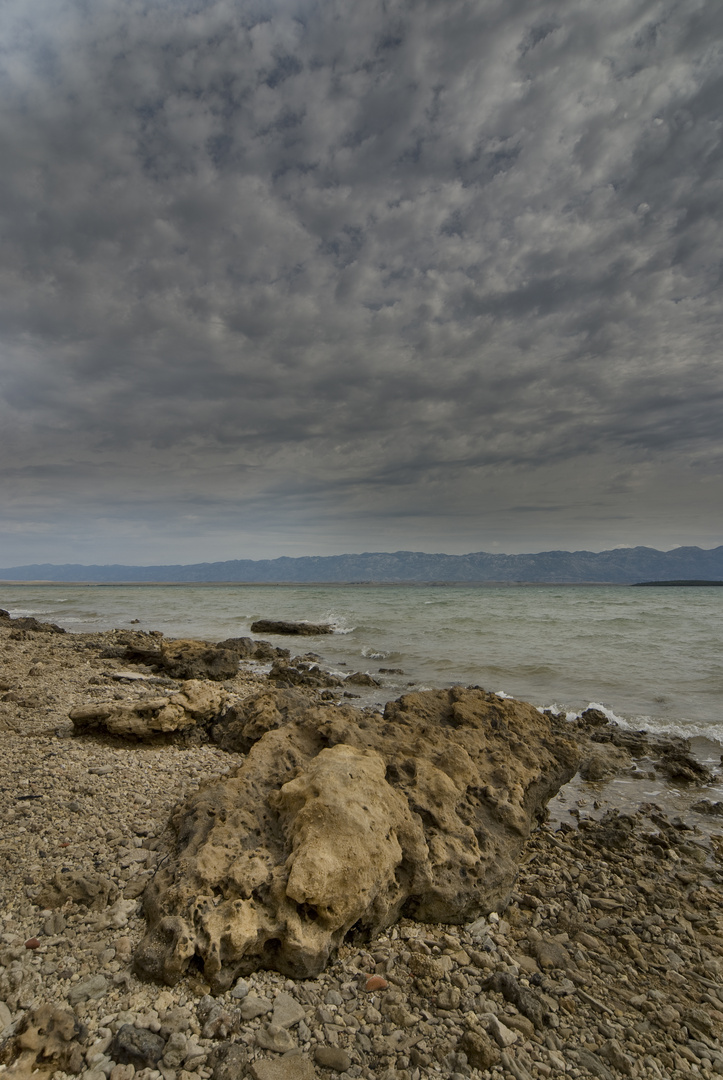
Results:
<point x="652" y="656"/>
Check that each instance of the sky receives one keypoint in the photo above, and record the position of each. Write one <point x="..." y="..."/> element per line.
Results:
<point x="292" y="277"/>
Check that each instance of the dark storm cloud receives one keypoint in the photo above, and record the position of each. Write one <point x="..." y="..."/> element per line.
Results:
<point x="300" y="261"/>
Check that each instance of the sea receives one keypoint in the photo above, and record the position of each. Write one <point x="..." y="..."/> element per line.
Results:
<point x="652" y="657"/>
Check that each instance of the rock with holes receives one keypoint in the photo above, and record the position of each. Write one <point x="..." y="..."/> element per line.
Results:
<point x="198" y="703"/>
<point x="339" y="819"/>
<point x="49" y="1039"/>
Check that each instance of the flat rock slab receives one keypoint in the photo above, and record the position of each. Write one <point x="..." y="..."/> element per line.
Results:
<point x="342" y="818"/>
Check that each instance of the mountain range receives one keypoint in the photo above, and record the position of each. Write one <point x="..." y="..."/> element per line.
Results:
<point x="619" y="566"/>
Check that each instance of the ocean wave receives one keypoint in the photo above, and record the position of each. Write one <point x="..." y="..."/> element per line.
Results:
<point x="371" y="654"/>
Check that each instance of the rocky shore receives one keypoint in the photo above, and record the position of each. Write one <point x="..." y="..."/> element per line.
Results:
<point x="596" y="949"/>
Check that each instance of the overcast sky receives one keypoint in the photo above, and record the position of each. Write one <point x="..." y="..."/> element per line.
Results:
<point x="285" y="277"/>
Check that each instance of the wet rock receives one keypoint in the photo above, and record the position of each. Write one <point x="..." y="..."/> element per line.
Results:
<point x="278" y="626"/>
<point x="136" y="1046"/>
<point x="678" y="765"/>
<point x="29" y="623"/>
<point x="301" y="674"/>
<point x="362" y="678"/>
<point x="243" y="724"/>
<point x="706" y="806"/>
<point x="426" y="807"/>
<point x="187" y="659"/>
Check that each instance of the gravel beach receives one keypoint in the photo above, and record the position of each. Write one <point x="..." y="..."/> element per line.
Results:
<point x="608" y="961"/>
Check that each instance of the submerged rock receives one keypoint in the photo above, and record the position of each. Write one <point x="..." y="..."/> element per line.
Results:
<point x="280" y="626"/>
<point x="341" y="819"/>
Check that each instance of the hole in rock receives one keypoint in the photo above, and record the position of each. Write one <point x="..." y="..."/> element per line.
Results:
<point x="307" y="911"/>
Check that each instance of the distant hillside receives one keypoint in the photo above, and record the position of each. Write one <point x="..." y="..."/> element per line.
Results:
<point x="621" y="566"/>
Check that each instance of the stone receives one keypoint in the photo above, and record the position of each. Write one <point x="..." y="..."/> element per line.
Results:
<point x="502" y="1035"/>
<point x="551" y="954"/>
<point x="5" y="1017"/>
<point x="175" y="1050"/>
<point x="245" y="723"/>
<point x="88" y="990"/>
<point x="339" y="818"/>
<point x="332" y="1057"/>
<point x="272" y="1037"/>
<point x="94" y="891"/>
<point x="290" y="629"/>
<point x="253" y="1006"/>
<point x="593" y="1064"/>
<point x="289" y="1067"/>
<point x="362" y="678"/>
<point x="481" y="1052"/>
<point x="136" y="1046"/>
<point x="287" y="1011"/>
<point x="228" y="1061"/>
<point x="613" y="1053"/>
<point x="48" y="1039"/>
<point x="197" y="704"/>
<point x="375" y="982"/>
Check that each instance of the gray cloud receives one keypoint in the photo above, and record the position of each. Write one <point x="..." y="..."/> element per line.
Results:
<point x="278" y="278"/>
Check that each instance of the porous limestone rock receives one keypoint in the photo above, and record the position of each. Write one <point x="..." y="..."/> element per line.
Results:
<point x="48" y="1040"/>
<point x="188" y="659"/>
<point x="197" y="703"/>
<point x="343" y="818"/>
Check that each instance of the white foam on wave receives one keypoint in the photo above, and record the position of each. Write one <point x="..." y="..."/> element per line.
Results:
<point x="657" y="725"/>
<point x="502" y="694"/>
<point x="370" y="654"/>
<point x="337" y="623"/>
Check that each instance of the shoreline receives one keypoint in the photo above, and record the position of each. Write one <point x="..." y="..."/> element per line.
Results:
<point x="608" y="960"/>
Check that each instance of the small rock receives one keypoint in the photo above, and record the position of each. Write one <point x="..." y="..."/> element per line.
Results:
<point x="275" y="1038"/>
<point x="175" y="1050"/>
<point x="613" y="1053"/>
<point x="89" y="990"/>
<point x="136" y="1046"/>
<point x="332" y="1057"/>
<point x="227" y="1061"/>
<point x="287" y="1011"/>
<point x="253" y="1006"/>
<point x="375" y="982"/>
<point x="289" y="1067"/>
<point x="32" y="943"/>
<point x="480" y="1050"/>
<point x="241" y="989"/>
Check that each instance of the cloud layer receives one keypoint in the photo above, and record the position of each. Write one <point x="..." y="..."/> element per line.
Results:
<point x="296" y="276"/>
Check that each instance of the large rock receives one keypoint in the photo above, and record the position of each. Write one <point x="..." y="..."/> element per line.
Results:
<point x="342" y="819"/>
<point x="188" y="659"/>
<point x="301" y="629"/>
<point x="48" y="1040"/>
<point x="198" y="703"/>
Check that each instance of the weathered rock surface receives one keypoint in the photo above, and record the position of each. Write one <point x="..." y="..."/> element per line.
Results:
<point x="197" y="703"/>
<point x="280" y="626"/>
<point x="187" y="659"/>
<point x="47" y="1040"/>
<point x="342" y="818"/>
<point x="28" y="623"/>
